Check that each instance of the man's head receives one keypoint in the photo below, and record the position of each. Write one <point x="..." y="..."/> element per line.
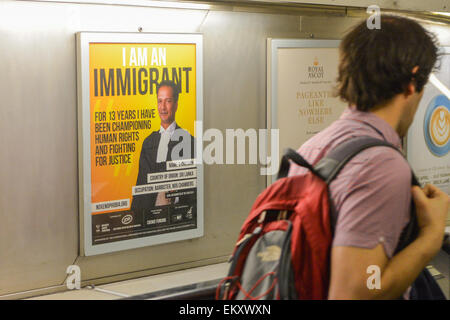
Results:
<point x="377" y="65"/>
<point x="167" y="97"/>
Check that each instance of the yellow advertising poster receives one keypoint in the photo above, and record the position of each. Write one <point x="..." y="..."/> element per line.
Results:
<point x="142" y="109"/>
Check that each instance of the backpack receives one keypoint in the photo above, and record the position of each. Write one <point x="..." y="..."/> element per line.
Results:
<point x="283" y="249"/>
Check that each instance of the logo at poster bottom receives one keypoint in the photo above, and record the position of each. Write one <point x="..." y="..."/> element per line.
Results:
<point x="437" y="126"/>
<point x="127" y="219"/>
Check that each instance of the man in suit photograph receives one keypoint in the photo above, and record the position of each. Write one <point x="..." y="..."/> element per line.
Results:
<point x="170" y="142"/>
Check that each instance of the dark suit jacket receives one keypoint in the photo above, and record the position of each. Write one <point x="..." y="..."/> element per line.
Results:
<point x="148" y="164"/>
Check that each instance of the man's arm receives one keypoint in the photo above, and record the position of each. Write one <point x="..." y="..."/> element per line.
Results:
<point x="349" y="264"/>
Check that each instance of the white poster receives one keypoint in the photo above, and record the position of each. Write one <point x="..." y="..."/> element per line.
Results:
<point x="428" y="140"/>
<point x="301" y="83"/>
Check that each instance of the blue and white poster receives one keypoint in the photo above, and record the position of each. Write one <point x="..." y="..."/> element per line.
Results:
<point x="428" y="141"/>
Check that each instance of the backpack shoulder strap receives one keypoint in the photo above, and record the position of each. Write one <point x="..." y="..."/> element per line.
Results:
<point x="329" y="166"/>
<point x="292" y="155"/>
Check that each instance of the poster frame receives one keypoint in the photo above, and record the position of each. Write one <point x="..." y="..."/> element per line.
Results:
<point x="273" y="45"/>
<point x="83" y="40"/>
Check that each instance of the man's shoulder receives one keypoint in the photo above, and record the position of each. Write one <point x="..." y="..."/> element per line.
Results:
<point x="183" y="132"/>
<point x="381" y="156"/>
<point x="150" y="139"/>
<point x="379" y="164"/>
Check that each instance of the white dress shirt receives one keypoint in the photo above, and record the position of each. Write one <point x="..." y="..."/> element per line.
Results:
<point x="163" y="146"/>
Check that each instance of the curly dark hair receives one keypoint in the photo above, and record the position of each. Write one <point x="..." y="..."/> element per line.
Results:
<point x="376" y="64"/>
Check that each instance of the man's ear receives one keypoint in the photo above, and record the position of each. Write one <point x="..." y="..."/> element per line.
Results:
<point x="411" y="88"/>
